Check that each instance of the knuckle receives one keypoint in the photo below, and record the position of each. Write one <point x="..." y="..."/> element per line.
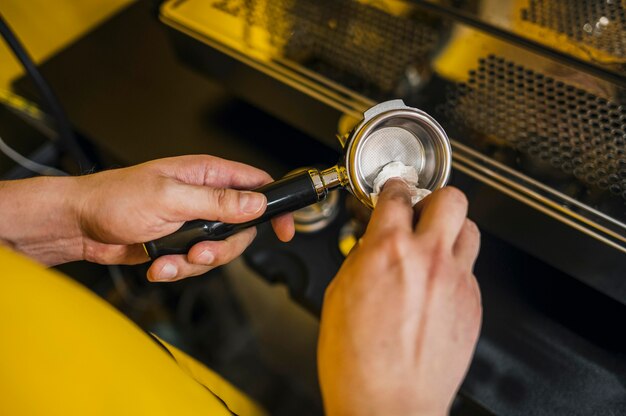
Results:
<point x="396" y="192"/>
<point x="440" y="274"/>
<point x="209" y="170"/>
<point x="472" y="227"/>
<point x="396" y="243"/>
<point x="476" y="288"/>
<point x="220" y="197"/>
<point x="168" y="191"/>
<point x="221" y="254"/>
<point x="478" y="305"/>
<point x="438" y="260"/>
<point x="439" y="250"/>
<point x="476" y="313"/>
<point x="263" y="176"/>
<point x="252" y="233"/>
<point x="164" y="189"/>
<point x="227" y="251"/>
<point x="455" y="195"/>
<point x="471" y="293"/>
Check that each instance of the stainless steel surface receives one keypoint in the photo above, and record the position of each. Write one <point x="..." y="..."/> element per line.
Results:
<point x="317" y="216"/>
<point x="318" y="184"/>
<point x="390" y="132"/>
<point x="383" y="145"/>
<point x="334" y="177"/>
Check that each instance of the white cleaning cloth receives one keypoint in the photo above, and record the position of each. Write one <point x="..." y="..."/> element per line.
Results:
<point x="402" y="171"/>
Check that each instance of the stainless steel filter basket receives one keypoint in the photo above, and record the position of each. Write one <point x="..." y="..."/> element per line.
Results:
<point x="392" y="131"/>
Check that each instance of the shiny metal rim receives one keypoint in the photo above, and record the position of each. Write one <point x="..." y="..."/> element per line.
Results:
<point x="367" y="127"/>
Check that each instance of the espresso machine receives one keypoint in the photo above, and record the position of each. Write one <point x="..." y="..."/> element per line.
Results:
<point x="532" y="94"/>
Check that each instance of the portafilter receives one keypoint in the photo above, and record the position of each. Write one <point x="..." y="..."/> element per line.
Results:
<point x="389" y="132"/>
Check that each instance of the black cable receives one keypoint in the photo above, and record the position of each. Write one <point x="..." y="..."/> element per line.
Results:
<point x="66" y="133"/>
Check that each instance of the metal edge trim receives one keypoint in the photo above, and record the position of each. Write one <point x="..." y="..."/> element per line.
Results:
<point x="473" y="153"/>
<point x="536" y="201"/>
<point x="293" y="80"/>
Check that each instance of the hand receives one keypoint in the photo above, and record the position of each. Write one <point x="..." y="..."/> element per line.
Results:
<point x="120" y="209"/>
<point x="401" y="318"/>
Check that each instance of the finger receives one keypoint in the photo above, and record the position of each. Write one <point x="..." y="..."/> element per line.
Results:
<point x="476" y="290"/>
<point x="467" y="244"/>
<point x="284" y="227"/>
<point x="443" y="215"/>
<point x="393" y="209"/>
<point x="213" y="171"/>
<point x="201" y="258"/>
<point x="190" y="202"/>
<point x="217" y="253"/>
<point x="135" y="254"/>
<point x="116" y="253"/>
<point x="174" y="267"/>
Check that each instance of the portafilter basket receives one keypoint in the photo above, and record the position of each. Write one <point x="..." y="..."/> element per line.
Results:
<point x="389" y="132"/>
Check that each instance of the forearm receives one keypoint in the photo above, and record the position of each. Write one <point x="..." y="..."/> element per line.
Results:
<point x="40" y="218"/>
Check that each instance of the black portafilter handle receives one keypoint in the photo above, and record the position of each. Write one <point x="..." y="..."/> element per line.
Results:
<point x="285" y="195"/>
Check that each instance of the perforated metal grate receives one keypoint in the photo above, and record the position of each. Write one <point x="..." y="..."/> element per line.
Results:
<point x="361" y="46"/>
<point x="360" y="39"/>
<point x="387" y="145"/>
<point x="600" y="24"/>
<point x="552" y="122"/>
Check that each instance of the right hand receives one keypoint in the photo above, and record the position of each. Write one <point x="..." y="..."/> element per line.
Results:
<point x="401" y="319"/>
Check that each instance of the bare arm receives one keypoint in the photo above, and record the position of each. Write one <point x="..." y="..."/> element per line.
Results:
<point x="39" y="218"/>
<point x="105" y="217"/>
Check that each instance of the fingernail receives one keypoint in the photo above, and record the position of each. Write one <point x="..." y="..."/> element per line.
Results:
<point x="251" y="202"/>
<point x="206" y="257"/>
<point x="168" y="272"/>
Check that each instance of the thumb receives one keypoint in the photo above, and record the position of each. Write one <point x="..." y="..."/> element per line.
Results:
<point x="218" y="204"/>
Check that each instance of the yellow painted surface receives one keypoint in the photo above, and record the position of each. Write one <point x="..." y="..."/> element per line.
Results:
<point x="64" y="351"/>
<point x="46" y="26"/>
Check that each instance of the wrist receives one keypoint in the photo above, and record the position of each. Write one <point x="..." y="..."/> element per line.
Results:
<point x="401" y="406"/>
<point x="40" y="218"/>
<point x="385" y="411"/>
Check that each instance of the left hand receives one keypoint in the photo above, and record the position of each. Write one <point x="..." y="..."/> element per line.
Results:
<point x="122" y="208"/>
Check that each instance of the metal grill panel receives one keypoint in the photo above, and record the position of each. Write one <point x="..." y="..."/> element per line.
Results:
<point x="362" y="46"/>
<point x="361" y="40"/>
<point x="556" y="125"/>
<point x="597" y="24"/>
